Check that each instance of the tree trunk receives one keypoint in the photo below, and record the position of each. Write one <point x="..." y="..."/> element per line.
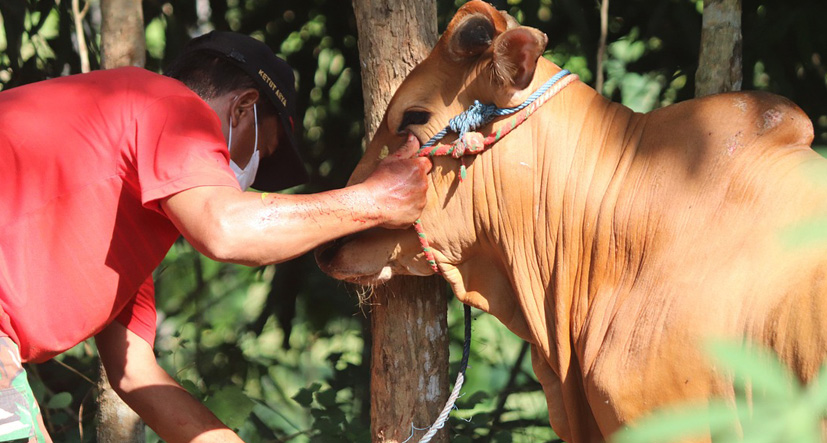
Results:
<point x="123" y="43"/>
<point x="116" y="422"/>
<point x="720" y="63"/>
<point x="409" y="368"/>
<point x="409" y="379"/>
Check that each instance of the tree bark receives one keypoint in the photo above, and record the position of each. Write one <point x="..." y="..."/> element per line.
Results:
<point x="394" y="37"/>
<point x="123" y="43"/>
<point x="409" y="377"/>
<point x="117" y="423"/>
<point x="601" y="46"/>
<point x="720" y="63"/>
<point x="409" y="367"/>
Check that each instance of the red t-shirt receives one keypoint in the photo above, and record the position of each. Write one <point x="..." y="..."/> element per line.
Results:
<point x="84" y="161"/>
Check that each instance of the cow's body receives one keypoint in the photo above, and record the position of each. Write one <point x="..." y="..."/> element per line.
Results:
<point x="618" y="243"/>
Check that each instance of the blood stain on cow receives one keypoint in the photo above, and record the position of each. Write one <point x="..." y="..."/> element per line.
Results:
<point x="772" y="118"/>
<point x="733" y="143"/>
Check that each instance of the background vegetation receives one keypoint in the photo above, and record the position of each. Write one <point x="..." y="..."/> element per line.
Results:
<point x="282" y="352"/>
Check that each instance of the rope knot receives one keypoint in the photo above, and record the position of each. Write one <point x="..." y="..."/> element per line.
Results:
<point x="472" y="118"/>
<point x="468" y="143"/>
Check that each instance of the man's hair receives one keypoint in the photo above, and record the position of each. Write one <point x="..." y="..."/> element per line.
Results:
<point x="210" y="75"/>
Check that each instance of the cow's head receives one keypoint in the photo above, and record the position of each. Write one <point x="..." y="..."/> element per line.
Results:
<point x="483" y="55"/>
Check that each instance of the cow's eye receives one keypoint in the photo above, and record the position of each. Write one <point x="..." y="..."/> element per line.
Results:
<point x="413" y="118"/>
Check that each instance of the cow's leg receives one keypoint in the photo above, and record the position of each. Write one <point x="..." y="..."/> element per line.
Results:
<point x="569" y="412"/>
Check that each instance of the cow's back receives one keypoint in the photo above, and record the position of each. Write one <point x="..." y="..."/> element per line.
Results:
<point x="707" y="222"/>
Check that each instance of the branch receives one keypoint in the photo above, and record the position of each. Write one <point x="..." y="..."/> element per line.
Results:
<point x="83" y="51"/>
<point x="601" y="48"/>
<point x="507" y="390"/>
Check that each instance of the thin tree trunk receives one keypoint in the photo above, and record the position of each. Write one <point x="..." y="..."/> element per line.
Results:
<point x="601" y="47"/>
<point x="116" y="422"/>
<point x="83" y="51"/>
<point x="409" y="379"/>
<point x="123" y="43"/>
<point x="721" y="60"/>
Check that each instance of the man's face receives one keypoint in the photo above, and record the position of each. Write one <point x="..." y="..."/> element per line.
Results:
<point x="270" y="133"/>
<point x="244" y="136"/>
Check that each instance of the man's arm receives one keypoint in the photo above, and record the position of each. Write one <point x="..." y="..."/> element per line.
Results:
<point x="228" y="225"/>
<point x="162" y="403"/>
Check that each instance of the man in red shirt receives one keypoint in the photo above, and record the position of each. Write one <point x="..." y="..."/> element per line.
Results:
<point x="101" y="172"/>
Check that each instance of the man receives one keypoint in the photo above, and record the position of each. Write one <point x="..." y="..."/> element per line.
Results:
<point x="101" y="172"/>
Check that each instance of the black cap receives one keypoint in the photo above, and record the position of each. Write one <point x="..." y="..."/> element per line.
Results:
<point x="284" y="168"/>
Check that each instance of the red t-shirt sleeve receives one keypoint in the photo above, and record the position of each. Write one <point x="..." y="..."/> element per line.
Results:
<point x="178" y="146"/>
<point x="139" y="314"/>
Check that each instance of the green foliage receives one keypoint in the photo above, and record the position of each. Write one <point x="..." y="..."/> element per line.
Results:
<point x="501" y="399"/>
<point x="231" y="405"/>
<point x="329" y="407"/>
<point x="770" y="405"/>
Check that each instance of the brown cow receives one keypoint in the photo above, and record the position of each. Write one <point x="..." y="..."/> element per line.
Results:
<point x="614" y="242"/>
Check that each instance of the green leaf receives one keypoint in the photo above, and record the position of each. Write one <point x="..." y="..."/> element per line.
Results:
<point x="756" y="367"/>
<point x="673" y="425"/>
<point x="192" y="388"/>
<point x="502" y="437"/>
<point x="327" y="398"/>
<point x="59" y="419"/>
<point x="60" y="400"/>
<point x="809" y="233"/>
<point x="326" y="427"/>
<point x="231" y="405"/>
<point x="475" y="399"/>
<point x="305" y="395"/>
<point x="817" y="392"/>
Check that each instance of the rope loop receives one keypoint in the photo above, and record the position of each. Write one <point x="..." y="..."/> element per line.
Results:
<point x="478" y="115"/>
<point x="474" y="117"/>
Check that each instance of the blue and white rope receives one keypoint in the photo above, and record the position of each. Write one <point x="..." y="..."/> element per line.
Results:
<point x="478" y="114"/>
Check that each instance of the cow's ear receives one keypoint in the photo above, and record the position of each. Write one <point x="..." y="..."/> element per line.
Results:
<point x="510" y="21"/>
<point x="471" y="36"/>
<point x="515" y="55"/>
<point x="473" y="28"/>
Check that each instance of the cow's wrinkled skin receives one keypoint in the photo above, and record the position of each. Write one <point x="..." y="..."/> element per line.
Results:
<point x="615" y="243"/>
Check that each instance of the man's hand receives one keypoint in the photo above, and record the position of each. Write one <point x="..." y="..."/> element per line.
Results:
<point x="399" y="185"/>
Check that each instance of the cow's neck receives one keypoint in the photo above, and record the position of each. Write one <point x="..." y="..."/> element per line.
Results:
<point x="572" y="148"/>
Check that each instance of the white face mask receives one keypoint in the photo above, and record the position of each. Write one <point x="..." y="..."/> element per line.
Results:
<point x="245" y="176"/>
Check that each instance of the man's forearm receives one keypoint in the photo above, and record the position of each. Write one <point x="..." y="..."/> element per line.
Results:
<point x="174" y="414"/>
<point x="254" y="229"/>
<point x="271" y="228"/>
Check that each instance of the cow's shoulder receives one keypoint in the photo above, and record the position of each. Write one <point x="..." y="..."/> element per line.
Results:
<point x="770" y="115"/>
<point x="754" y="116"/>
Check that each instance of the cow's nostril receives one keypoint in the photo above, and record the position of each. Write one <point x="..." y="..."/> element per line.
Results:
<point x="326" y="252"/>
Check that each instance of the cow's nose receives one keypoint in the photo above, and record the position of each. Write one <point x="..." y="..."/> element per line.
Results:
<point x="326" y="253"/>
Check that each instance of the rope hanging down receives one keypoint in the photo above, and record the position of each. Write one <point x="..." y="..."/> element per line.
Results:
<point x="449" y="405"/>
<point x="476" y="116"/>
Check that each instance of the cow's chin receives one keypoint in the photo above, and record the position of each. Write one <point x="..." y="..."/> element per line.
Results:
<point x="370" y="260"/>
<point x="373" y="277"/>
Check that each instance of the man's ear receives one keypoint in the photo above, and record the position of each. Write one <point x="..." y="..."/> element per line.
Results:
<point x="242" y="104"/>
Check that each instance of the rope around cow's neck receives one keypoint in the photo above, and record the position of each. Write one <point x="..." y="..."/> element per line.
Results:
<point x="470" y="143"/>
